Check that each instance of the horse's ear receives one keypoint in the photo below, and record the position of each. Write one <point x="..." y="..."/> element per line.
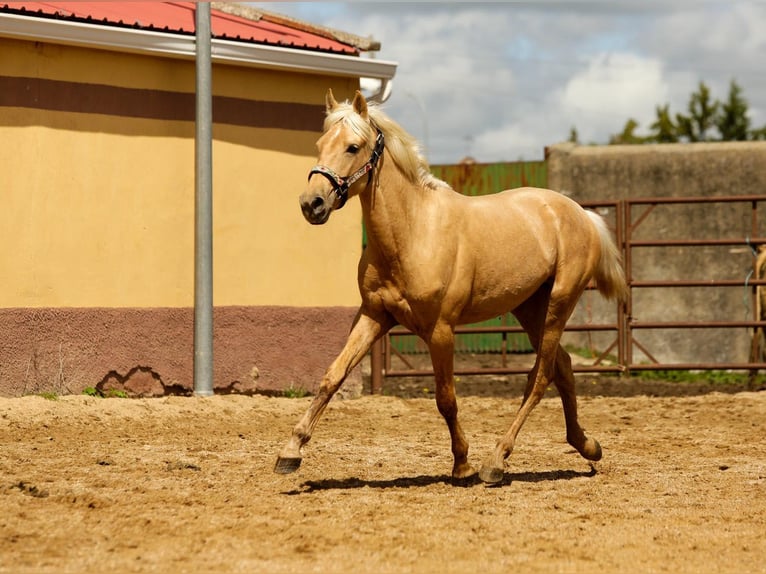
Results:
<point x="360" y="104"/>
<point x="329" y="101"/>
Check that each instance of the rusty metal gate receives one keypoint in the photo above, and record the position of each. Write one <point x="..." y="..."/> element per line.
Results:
<point x="623" y="333"/>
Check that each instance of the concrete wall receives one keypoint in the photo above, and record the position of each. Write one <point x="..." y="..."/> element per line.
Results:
<point x="97" y="219"/>
<point x="591" y="173"/>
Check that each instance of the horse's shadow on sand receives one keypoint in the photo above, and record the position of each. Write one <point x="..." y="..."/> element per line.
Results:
<point x="424" y="480"/>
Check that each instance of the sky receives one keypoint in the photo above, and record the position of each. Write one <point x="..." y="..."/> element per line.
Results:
<point x="500" y="81"/>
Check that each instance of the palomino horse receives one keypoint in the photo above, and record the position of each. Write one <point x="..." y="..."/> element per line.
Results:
<point x="758" y="348"/>
<point x="436" y="259"/>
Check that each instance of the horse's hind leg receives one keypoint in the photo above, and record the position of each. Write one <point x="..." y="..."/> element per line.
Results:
<point x="565" y="383"/>
<point x="533" y="322"/>
<point x="494" y="467"/>
<point x="543" y="316"/>
<point x="442" y="349"/>
<point x="538" y="322"/>
<point x="363" y="334"/>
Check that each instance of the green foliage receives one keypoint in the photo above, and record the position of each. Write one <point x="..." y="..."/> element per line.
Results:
<point x="574" y="137"/>
<point x="718" y="377"/>
<point x="110" y="394"/>
<point x="664" y="130"/>
<point x="628" y="135"/>
<point x="733" y="123"/>
<point x="670" y="375"/>
<point x="707" y="119"/>
<point x="293" y="392"/>
<point x="48" y="395"/>
<point x="703" y="112"/>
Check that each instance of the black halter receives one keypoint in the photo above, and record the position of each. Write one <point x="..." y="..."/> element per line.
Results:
<point x="340" y="184"/>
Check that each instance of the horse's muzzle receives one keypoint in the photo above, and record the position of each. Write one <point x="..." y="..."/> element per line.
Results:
<point x="315" y="208"/>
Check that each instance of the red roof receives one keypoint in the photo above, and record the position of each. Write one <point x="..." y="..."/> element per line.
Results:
<point x="178" y="17"/>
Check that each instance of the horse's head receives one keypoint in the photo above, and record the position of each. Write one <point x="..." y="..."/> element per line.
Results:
<point x="348" y="151"/>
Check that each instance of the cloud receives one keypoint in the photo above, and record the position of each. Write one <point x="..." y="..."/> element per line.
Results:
<point x="612" y="89"/>
<point x="503" y="80"/>
<point x="597" y="101"/>
<point x="511" y="142"/>
<point x="450" y="83"/>
<point x="715" y="43"/>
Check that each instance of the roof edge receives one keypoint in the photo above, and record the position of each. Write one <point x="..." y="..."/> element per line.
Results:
<point x="184" y="46"/>
<point x="256" y="14"/>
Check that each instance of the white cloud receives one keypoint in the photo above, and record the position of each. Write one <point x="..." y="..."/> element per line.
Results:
<point x="612" y="89"/>
<point x="715" y="43"/>
<point x="504" y="80"/>
<point x="511" y="142"/>
<point x="449" y="83"/>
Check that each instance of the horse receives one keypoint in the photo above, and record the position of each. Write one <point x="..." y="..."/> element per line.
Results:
<point x="436" y="259"/>
<point x="758" y="346"/>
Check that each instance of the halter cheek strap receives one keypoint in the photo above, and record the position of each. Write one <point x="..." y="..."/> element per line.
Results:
<point x="340" y="184"/>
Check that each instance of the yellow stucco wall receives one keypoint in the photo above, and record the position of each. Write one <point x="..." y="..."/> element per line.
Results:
<point x="98" y="209"/>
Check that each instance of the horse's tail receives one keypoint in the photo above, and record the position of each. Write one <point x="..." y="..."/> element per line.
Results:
<point x="609" y="276"/>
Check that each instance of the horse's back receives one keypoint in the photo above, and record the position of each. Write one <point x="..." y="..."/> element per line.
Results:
<point x="540" y="197"/>
<point x="543" y="213"/>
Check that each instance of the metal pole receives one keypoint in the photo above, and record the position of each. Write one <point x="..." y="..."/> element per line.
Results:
<point x="203" y="211"/>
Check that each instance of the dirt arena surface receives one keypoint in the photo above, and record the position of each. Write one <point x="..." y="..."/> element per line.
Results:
<point x="181" y="484"/>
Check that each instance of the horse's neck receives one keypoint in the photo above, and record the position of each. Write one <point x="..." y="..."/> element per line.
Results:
<point x="391" y="209"/>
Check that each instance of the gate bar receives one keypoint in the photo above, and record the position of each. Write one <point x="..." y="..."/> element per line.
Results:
<point x="625" y="324"/>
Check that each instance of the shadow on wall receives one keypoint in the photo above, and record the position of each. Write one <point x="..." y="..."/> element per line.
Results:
<point x="287" y="127"/>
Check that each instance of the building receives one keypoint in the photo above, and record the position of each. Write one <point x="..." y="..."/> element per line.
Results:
<point x="97" y="116"/>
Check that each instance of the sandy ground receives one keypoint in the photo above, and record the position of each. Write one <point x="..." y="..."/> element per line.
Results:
<point x="180" y="484"/>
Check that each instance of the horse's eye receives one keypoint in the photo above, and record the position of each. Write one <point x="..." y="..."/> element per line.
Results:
<point x="352" y="149"/>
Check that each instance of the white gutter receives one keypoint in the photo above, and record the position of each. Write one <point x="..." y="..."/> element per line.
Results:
<point x="181" y="46"/>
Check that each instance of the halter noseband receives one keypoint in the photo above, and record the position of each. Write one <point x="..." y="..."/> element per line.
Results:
<point x="340" y="184"/>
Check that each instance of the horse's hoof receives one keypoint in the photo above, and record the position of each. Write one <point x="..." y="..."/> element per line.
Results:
<point x="463" y="471"/>
<point x="592" y="450"/>
<point x="286" y="465"/>
<point x="491" y="474"/>
<point x="464" y="475"/>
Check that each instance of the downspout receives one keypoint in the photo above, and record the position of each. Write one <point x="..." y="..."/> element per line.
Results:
<point x="383" y="92"/>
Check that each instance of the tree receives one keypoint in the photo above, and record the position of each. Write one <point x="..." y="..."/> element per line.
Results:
<point x="574" y="137"/>
<point x="702" y="116"/>
<point x="628" y="135"/>
<point x="708" y="119"/>
<point x="663" y="129"/>
<point x="733" y="122"/>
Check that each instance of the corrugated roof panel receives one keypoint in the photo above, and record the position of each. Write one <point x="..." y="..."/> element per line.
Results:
<point x="178" y="17"/>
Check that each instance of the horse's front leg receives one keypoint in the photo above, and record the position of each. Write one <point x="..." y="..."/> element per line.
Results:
<point x="442" y="349"/>
<point x="364" y="333"/>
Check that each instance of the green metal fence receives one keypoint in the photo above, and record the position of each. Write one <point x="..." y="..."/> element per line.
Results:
<point x="487" y="178"/>
<point x="471" y="342"/>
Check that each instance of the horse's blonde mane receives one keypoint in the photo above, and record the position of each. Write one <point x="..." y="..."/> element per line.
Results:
<point x="402" y="147"/>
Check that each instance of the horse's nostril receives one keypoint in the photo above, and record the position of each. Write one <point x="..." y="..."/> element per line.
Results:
<point x="317" y="203"/>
